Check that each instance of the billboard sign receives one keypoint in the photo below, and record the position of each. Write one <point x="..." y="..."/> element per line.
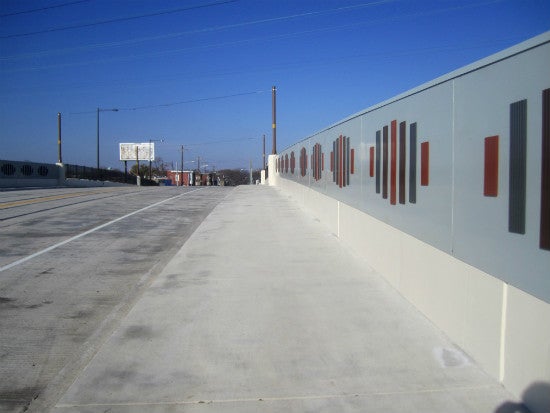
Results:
<point x="145" y="151"/>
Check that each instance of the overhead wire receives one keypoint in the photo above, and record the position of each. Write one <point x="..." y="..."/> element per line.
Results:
<point x="121" y="19"/>
<point x="55" y="6"/>
<point x="217" y="45"/>
<point x="207" y="29"/>
<point x="194" y="100"/>
<point x="177" y="103"/>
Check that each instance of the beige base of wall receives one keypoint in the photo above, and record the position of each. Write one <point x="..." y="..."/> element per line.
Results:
<point x="502" y="328"/>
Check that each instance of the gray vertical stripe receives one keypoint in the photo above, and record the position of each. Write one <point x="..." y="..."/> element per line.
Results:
<point x="348" y="160"/>
<point x="545" y="173"/>
<point x="402" y="160"/>
<point x="412" y="163"/>
<point x="518" y="167"/>
<point x="334" y="161"/>
<point x="385" y="162"/>
<point x="377" y="172"/>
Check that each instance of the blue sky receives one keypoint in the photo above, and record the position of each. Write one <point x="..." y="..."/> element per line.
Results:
<point x="199" y="73"/>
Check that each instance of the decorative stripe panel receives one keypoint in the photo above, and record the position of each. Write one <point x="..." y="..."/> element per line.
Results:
<point x="490" y="179"/>
<point x="545" y="173"/>
<point x="425" y="163"/>
<point x="412" y="163"/>
<point x="518" y="167"/>
<point x="393" y="163"/>
<point x="402" y="160"/>
<point x="385" y="162"/>
<point x="371" y="161"/>
<point x="377" y="162"/>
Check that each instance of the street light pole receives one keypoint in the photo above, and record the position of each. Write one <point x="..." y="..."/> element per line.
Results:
<point x="274" y="118"/>
<point x="97" y="141"/>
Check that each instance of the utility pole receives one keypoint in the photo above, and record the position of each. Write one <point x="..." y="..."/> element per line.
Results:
<point x="181" y="175"/>
<point x="150" y="160"/>
<point x="263" y="164"/>
<point x="274" y="118"/>
<point x="251" y="172"/>
<point x="59" y="159"/>
<point x="97" y="143"/>
<point x="138" y="178"/>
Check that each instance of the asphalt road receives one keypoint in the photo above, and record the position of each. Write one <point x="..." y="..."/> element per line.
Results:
<point x="73" y="262"/>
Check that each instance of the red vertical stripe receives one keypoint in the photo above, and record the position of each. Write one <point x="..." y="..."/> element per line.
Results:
<point x="393" y="163"/>
<point x="371" y="160"/>
<point x="320" y="157"/>
<point x="352" y="161"/>
<point x="424" y="163"/>
<point x="322" y="161"/>
<point x="490" y="181"/>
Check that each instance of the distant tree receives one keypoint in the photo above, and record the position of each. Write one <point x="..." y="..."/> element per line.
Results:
<point x="158" y="168"/>
<point x="234" y="177"/>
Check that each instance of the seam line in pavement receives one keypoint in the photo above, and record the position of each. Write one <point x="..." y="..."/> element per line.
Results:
<point x="90" y="231"/>
<point x="274" y="399"/>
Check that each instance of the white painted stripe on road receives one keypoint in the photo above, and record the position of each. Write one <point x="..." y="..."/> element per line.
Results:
<point x="36" y="254"/>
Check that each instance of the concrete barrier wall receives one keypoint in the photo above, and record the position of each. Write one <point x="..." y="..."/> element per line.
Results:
<point x="501" y="327"/>
<point x="444" y="191"/>
<point x="15" y="174"/>
<point x="18" y="174"/>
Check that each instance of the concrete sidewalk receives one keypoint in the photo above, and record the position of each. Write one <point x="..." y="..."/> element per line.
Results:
<point x="263" y="310"/>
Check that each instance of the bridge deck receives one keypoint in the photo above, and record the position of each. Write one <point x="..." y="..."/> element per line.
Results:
<point x="263" y="309"/>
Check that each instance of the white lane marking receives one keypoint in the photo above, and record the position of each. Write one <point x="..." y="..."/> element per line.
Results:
<point x="36" y="254"/>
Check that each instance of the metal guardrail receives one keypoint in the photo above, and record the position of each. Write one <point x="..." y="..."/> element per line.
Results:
<point x="92" y="174"/>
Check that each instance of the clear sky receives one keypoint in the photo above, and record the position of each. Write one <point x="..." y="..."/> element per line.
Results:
<point x="199" y="73"/>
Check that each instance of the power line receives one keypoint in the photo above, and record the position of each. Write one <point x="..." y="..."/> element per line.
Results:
<point x="197" y="31"/>
<point x="78" y="26"/>
<point x="218" y="45"/>
<point x="43" y="8"/>
<point x="219" y="141"/>
<point x="164" y="105"/>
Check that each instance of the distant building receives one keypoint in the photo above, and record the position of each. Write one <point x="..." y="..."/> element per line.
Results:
<point x="181" y="178"/>
<point x="192" y="178"/>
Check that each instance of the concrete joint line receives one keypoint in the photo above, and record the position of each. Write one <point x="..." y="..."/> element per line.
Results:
<point x="338" y="220"/>
<point x="275" y="399"/>
<point x="36" y="254"/>
<point x="503" y="320"/>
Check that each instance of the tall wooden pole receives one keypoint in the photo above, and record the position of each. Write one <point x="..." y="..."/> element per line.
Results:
<point x="274" y="117"/>
<point x="59" y="158"/>
<point x="181" y="176"/>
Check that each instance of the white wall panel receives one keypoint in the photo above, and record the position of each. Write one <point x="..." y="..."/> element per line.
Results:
<point x="453" y="115"/>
